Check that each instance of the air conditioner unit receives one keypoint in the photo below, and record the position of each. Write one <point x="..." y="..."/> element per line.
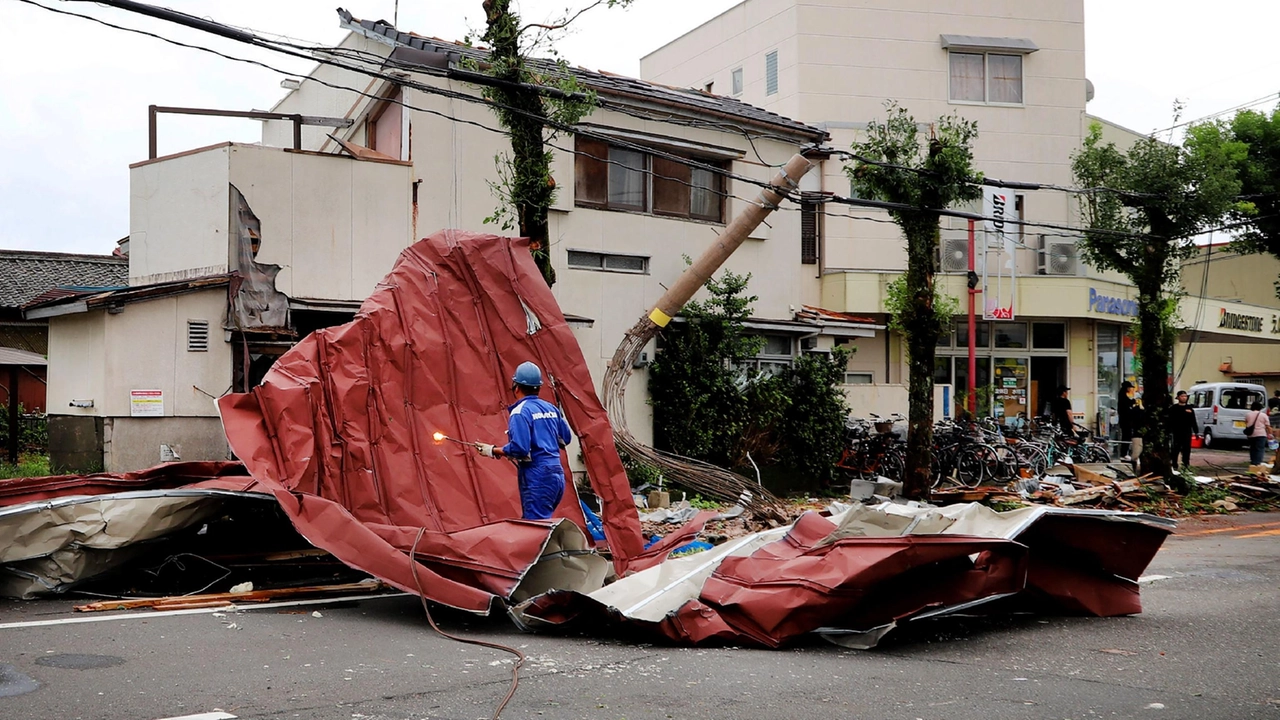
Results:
<point x="1060" y="258"/>
<point x="954" y="255"/>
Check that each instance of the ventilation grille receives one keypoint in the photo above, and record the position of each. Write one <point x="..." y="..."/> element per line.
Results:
<point x="197" y="336"/>
<point x="771" y="73"/>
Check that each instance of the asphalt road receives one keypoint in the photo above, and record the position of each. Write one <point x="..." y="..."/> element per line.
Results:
<point x="1206" y="646"/>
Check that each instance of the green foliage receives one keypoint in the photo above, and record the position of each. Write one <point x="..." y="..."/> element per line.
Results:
<point x="1144" y="208"/>
<point x="710" y="403"/>
<point x="898" y="163"/>
<point x="28" y="466"/>
<point x="532" y="100"/>
<point x="33" y="431"/>
<point x="896" y="298"/>
<point x="697" y="502"/>
<point x="1259" y="174"/>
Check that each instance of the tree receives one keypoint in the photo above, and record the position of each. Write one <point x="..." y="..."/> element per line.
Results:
<point x="1145" y="208"/>
<point x="528" y="95"/>
<point x="898" y="164"/>
<point x="1259" y="172"/>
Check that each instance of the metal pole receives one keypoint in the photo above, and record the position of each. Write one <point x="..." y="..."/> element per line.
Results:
<point x="151" y="132"/>
<point x="13" y="414"/>
<point x="970" y="397"/>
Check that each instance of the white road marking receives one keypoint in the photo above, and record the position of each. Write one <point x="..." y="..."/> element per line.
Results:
<point x="190" y="611"/>
<point x="215" y="715"/>
<point x="1153" y="578"/>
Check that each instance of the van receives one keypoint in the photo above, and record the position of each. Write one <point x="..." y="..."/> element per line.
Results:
<point x="1221" y="408"/>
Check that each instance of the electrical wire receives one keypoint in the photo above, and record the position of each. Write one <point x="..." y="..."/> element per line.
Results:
<point x="520" y="658"/>
<point x="249" y="38"/>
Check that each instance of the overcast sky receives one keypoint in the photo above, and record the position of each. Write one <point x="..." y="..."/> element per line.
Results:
<point x="73" y="94"/>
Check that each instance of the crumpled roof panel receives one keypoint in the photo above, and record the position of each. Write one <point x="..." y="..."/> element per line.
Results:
<point x="341" y="428"/>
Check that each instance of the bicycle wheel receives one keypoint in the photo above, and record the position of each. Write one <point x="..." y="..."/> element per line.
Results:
<point x="1032" y="458"/>
<point x="1097" y="453"/>
<point x="892" y="465"/>
<point x="1006" y="463"/>
<point x="974" y="463"/>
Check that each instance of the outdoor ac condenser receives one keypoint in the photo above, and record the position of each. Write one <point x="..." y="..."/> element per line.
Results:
<point x="954" y="255"/>
<point x="1059" y="258"/>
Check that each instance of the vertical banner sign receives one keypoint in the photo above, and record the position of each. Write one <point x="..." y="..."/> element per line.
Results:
<point x="999" y="270"/>
<point x="146" y="403"/>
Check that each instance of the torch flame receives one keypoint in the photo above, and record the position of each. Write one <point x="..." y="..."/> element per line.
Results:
<point x="439" y="437"/>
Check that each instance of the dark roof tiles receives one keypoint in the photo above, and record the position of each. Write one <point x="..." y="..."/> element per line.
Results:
<point x="28" y="274"/>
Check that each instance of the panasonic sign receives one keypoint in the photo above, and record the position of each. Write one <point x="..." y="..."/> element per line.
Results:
<point x="1112" y="305"/>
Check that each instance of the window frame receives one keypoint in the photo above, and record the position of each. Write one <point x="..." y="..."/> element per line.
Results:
<point x="870" y="378"/>
<point x="737" y="81"/>
<point x="986" y="78"/>
<point x="771" y="76"/>
<point x="604" y="262"/>
<point x="601" y="198"/>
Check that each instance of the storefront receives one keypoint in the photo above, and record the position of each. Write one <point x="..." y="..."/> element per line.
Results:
<point x="1020" y="363"/>
<point x="1116" y="349"/>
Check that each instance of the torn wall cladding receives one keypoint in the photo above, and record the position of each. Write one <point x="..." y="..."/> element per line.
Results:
<point x="255" y="302"/>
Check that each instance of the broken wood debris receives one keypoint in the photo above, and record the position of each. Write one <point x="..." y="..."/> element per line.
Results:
<point x="182" y="602"/>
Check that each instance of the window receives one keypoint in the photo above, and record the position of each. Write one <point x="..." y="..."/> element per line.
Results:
<point x="1010" y="335"/>
<point x="809" y="229"/>
<point x="982" y="331"/>
<point x="627" y="186"/>
<point x="859" y="378"/>
<point x="776" y="345"/>
<point x="616" y="178"/>
<point x="986" y="78"/>
<point x="1239" y="398"/>
<point x="709" y="87"/>
<point x="197" y="336"/>
<point x="736" y="81"/>
<point x="1048" y="336"/>
<point x="942" y="370"/>
<point x="609" y="262"/>
<point x="771" y="73"/>
<point x="386" y="127"/>
<point x="1200" y="399"/>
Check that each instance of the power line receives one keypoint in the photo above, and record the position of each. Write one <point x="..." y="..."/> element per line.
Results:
<point x="1220" y="113"/>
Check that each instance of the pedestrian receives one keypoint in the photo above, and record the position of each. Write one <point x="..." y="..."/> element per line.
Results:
<point x="536" y="431"/>
<point x="1124" y="410"/>
<point x="1181" y="420"/>
<point x="1273" y="405"/>
<point x="1257" y="429"/>
<point x="1137" y="428"/>
<point x="1060" y="410"/>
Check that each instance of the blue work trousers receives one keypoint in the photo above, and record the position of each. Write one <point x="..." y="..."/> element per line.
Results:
<point x="541" y="487"/>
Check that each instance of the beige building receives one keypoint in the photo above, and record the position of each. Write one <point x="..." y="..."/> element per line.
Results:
<point x="239" y="250"/>
<point x="1018" y="70"/>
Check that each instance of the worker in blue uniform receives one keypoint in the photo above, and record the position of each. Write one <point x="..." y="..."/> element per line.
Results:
<point x="536" y="431"/>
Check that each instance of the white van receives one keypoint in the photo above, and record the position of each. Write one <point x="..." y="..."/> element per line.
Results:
<point x="1221" y="407"/>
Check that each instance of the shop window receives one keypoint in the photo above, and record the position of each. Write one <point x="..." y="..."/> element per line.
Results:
<point x="616" y="178"/>
<point x="942" y="371"/>
<point x="1049" y="336"/>
<point x="1010" y="335"/>
<point x="983" y="332"/>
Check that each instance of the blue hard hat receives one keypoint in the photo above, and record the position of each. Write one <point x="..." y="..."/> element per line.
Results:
<point x="527" y="375"/>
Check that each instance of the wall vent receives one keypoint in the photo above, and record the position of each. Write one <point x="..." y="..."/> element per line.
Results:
<point x="197" y="336"/>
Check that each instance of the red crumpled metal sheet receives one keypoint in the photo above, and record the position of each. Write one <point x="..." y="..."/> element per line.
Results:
<point x="802" y="583"/>
<point x="199" y="475"/>
<point x="340" y="430"/>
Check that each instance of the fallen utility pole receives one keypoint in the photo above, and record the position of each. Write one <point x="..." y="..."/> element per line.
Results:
<point x="696" y="474"/>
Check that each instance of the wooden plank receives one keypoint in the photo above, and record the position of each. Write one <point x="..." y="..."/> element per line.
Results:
<point x="173" y="601"/>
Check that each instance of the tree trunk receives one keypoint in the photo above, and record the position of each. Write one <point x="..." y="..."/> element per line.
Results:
<point x="922" y="342"/>
<point x="1154" y="352"/>
<point x="532" y="188"/>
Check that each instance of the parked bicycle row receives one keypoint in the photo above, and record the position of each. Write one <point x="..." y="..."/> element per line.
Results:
<point x="968" y="454"/>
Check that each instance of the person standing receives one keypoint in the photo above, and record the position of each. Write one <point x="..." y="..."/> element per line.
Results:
<point x="1060" y="410"/>
<point x="1273" y="405"/>
<point x="1182" y="425"/>
<point x="1137" y="428"/>
<point x="1124" y="411"/>
<point x="536" y="432"/>
<point x="1257" y="430"/>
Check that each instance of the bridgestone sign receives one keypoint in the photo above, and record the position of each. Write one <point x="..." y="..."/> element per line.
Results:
<point x="1236" y="321"/>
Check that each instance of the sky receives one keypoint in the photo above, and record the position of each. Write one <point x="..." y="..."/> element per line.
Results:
<point x="74" y="94"/>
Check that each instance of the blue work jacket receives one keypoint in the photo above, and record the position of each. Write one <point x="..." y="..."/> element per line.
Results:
<point x="535" y="432"/>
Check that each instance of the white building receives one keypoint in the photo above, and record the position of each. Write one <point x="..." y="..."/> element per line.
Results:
<point x="239" y="250"/>
<point x="1016" y="68"/>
